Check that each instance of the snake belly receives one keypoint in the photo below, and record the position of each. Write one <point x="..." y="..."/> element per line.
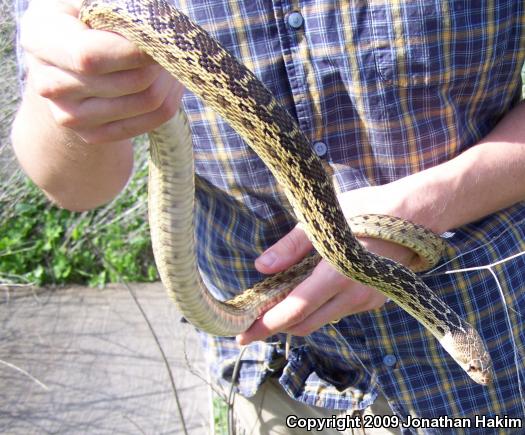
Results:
<point x="204" y="67"/>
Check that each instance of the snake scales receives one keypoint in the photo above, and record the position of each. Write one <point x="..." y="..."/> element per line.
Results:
<point x="205" y="68"/>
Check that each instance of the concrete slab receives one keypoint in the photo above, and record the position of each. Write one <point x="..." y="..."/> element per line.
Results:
<point x="96" y="368"/>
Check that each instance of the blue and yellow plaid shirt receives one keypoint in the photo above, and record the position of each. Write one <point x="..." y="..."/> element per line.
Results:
<point x="383" y="89"/>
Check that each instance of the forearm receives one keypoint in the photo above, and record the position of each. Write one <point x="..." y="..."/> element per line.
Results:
<point x="487" y="177"/>
<point x="73" y="174"/>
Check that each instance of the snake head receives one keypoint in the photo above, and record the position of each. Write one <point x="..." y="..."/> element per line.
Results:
<point x="469" y="351"/>
<point x="480" y="371"/>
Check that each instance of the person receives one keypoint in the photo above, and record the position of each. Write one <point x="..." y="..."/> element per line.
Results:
<point x="415" y="106"/>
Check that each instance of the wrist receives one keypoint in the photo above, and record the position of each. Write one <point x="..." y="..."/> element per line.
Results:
<point x="416" y="198"/>
<point x="422" y="198"/>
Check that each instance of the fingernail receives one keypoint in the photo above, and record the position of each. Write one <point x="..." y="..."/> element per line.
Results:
<point x="267" y="259"/>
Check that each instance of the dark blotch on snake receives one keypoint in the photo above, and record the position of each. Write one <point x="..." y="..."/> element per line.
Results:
<point x="273" y="154"/>
<point x="245" y="108"/>
<point x="426" y="304"/>
<point x="157" y="24"/>
<point x="238" y="89"/>
<point x="259" y="93"/>
<point x="134" y="8"/>
<point x="209" y="64"/>
<point x="197" y="80"/>
<point x="180" y="24"/>
<point x="328" y="246"/>
<point x="182" y="42"/>
<point x="306" y="205"/>
<point x="288" y="144"/>
<point x="146" y="37"/>
<point x="397" y="293"/>
<point x="263" y="114"/>
<point x="223" y="101"/>
<point x="282" y="118"/>
<point x="316" y="225"/>
<point x="232" y="68"/>
<point x="247" y="123"/>
<point x="217" y="84"/>
<point x="205" y="44"/>
<point x="413" y="306"/>
<point x="269" y="133"/>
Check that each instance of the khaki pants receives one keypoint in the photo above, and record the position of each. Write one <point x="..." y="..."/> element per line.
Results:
<point x="267" y="413"/>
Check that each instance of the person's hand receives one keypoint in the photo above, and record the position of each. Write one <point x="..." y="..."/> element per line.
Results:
<point x="325" y="295"/>
<point x="96" y="83"/>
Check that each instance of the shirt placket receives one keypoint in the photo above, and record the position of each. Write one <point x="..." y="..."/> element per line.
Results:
<point x="292" y="25"/>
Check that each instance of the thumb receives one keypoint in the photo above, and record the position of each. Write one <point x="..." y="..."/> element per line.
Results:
<point x="286" y="252"/>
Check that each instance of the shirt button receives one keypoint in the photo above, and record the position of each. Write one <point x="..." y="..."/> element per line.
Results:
<point x="320" y="148"/>
<point x="295" y="20"/>
<point x="389" y="360"/>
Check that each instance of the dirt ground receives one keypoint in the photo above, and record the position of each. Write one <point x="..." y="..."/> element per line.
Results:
<point x="81" y="360"/>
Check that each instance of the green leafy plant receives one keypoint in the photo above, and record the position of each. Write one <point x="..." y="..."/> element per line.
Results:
<point x="42" y="244"/>
<point x="220" y="416"/>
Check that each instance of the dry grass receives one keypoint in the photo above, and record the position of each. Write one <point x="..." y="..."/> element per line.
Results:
<point x="9" y="89"/>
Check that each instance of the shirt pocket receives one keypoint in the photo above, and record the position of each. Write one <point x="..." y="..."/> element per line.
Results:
<point x="425" y="42"/>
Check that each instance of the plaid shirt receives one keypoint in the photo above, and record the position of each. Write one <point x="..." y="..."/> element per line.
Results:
<point x="383" y="89"/>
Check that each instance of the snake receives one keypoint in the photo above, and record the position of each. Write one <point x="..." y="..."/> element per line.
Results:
<point x="211" y="72"/>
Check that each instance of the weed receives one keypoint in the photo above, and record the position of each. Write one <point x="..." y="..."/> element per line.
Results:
<point x="42" y="244"/>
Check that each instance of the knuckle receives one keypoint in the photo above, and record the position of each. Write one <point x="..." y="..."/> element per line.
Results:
<point x="152" y="97"/>
<point x="102" y="134"/>
<point x="119" y="130"/>
<point x="125" y="130"/>
<point x="47" y="87"/>
<point x="43" y="80"/>
<point x="85" y="61"/>
<point x="167" y="109"/>
<point x="67" y="115"/>
<point x="297" y="315"/>
<point x="65" y="118"/>
<point x="142" y="78"/>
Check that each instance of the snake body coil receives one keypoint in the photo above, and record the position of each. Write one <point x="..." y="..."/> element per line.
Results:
<point x="208" y="70"/>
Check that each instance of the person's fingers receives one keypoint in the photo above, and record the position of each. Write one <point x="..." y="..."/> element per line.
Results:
<point x="93" y="112"/>
<point x="131" y="127"/>
<point x="95" y="82"/>
<point x="355" y="299"/>
<point x="324" y="296"/>
<point x="321" y="286"/>
<point x="287" y="251"/>
<point x="52" y="82"/>
<point x="51" y="32"/>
